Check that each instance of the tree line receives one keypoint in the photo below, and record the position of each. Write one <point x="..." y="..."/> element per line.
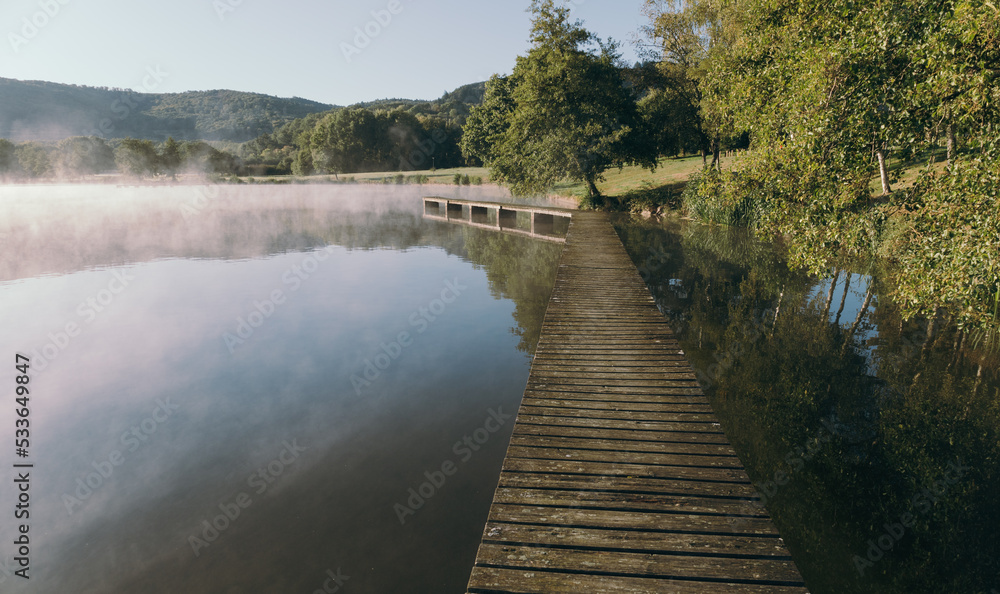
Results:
<point x="82" y="156"/>
<point x="870" y="129"/>
<point x="357" y="140"/>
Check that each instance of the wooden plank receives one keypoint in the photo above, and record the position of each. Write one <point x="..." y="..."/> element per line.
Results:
<point x="607" y="500"/>
<point x="618" y="476"/>
<point x="719" y="475"/>
<point x="587" y="538"/>
<point x="532" y="408"/>
<point x="620" y="445"/>
<point x="743" y="493"/>
<point x="490" y="580"/>
<point x="645" y="458"/>
<point x="632" y="520"/>
<point x="641" y="564"/>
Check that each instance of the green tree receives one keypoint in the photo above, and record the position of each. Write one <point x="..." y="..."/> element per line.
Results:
<point x="348" y="141"/>
<point x="85" y="155"/>
<point x="8" y="158"/>
<point x="682" y="35"/>
<point x="487" y="124"/>
<point x="137" y="157"/>
<point x="33" y="159"/>
<point x="171" y="157"/>
<point x="573" y="116"/>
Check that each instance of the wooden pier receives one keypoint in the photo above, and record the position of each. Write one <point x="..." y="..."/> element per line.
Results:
<point x="618" y="477"/>
<point x="499" y="217"/>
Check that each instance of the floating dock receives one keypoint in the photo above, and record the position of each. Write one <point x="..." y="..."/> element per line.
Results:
<point x="543" y="222"/>
<point x="618" y="477"/>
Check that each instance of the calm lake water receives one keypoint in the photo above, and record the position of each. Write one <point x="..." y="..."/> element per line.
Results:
<point x="234" y="389"/>
<point x="874" y="442"/>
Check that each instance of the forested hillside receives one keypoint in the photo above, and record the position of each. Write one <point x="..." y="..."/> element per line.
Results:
<point x="44" y="111"/>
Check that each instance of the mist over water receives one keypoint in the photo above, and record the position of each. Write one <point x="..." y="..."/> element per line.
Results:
<point x="222" y="396"/>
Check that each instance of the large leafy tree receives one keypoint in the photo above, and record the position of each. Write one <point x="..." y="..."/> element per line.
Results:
<point x="565" y="113"/>
<point x="82" y="155"/>
<point x="681" y="36"/>
<point x="137" y="157"/>
<point x="347" y="141"/>
<point x="33" y="159"/>
<point x="488" y="122"/>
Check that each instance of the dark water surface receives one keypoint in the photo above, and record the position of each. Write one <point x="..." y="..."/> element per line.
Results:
<point x="236" y="389"/>
<point x="873" y="441"/>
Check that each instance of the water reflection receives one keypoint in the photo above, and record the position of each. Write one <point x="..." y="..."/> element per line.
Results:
<point x="873" y="441"/>
<point x="237" y="409"/>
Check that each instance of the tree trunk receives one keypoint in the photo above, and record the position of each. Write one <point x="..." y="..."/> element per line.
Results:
<point x="777" y="310"/>
<point x="704" y="156"/>
<point x="829" y="295"/>
<point x="951" y="142"/>
<point x="883" y="171"/>
<point x="716" y="149"/>
<point x="843" y="299"/>
<point x="594" y="192"/>
<point x="858" y="320"/>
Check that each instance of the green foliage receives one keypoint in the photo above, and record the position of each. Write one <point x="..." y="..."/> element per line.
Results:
<point x="565" y="112"/>
<point x="85" y="155"/>
<point x="829" y="93"/>
<point x="484" y="130"/>
<point x="137" y="158"/>
<point x="170" y="157"/>
<point x="953" y="259"/>
<point x="391" y="134"/>
<point x="721" y="197"/>
<point x="683" y="34"/>
<point x="457" y="179"/>
<point x="33" y="160"/>
<point x="8" y="158"/>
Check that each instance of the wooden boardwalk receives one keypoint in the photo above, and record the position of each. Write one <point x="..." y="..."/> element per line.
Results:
<point x="618" y="477"/>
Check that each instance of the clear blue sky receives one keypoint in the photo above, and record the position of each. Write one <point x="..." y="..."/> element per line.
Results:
<point x="290" y="48"/>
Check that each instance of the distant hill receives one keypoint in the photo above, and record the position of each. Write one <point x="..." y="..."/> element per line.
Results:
<point x="451" y="106"/>
<point x="34" y="110"/>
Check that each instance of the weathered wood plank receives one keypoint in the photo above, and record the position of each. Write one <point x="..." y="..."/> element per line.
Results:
<point x="620" y="445"/>
<point x="743" y="493"/>
<point x="490" y="580"/>
<point x="721" y="475"/>
<point x="632" y="520"/>
<point x="700" y="544"/>
<point x="611" y="456"/>
<point x="641" y="564"/>
<point x="626" y="501"/>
